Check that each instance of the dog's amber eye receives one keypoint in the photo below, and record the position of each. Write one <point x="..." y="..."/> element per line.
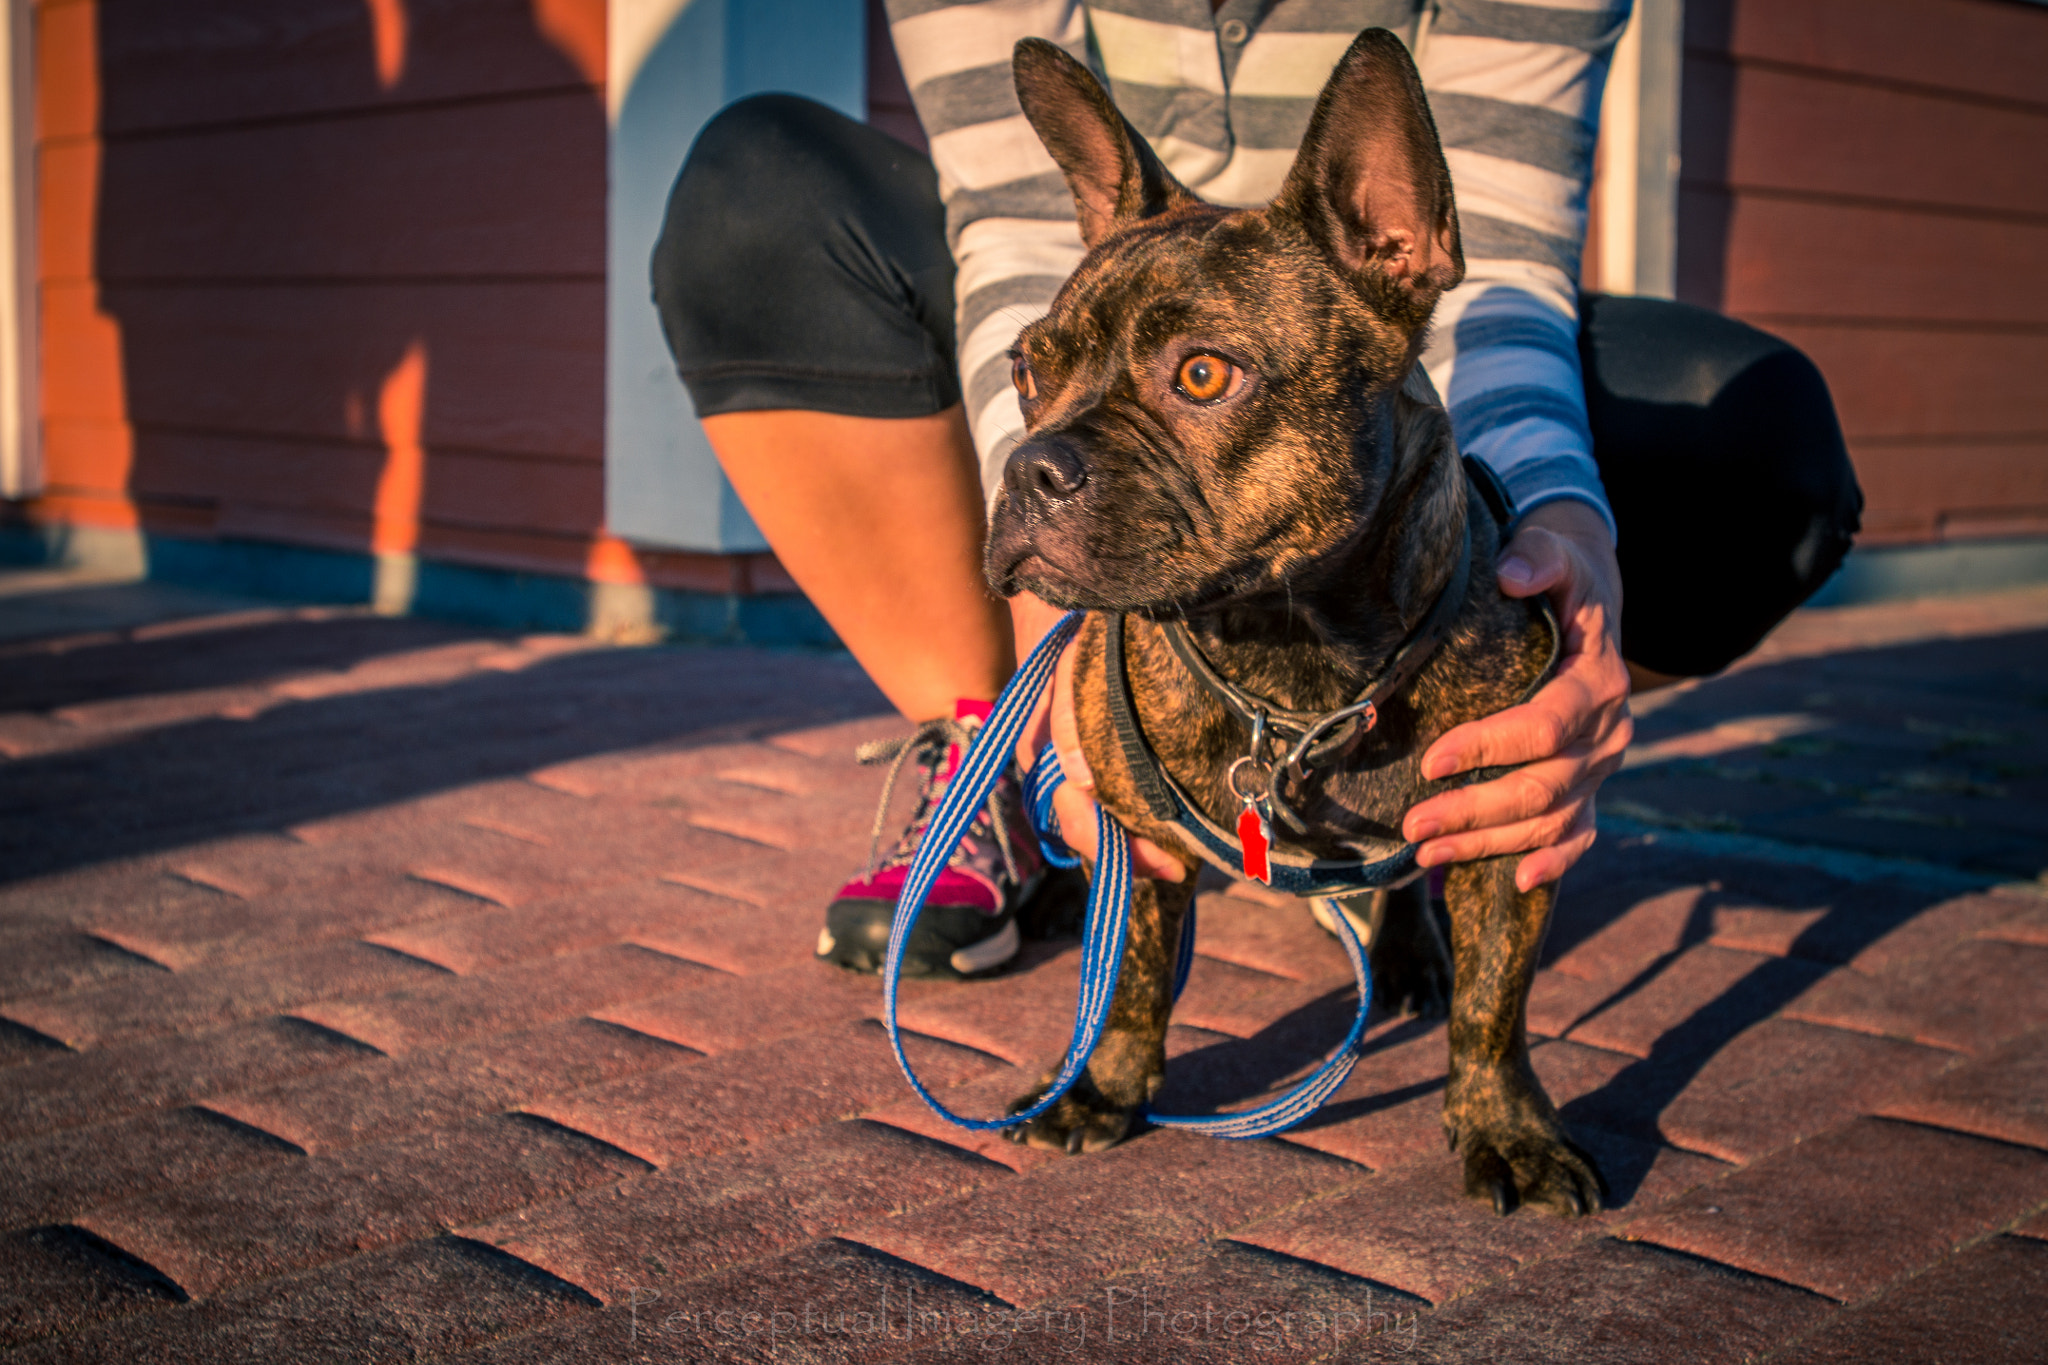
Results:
<point x="1205" y="378"/>
<point x="1020" y="375"/>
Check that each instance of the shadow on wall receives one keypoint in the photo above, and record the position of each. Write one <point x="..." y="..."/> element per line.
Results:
<point x="355" y="249"/>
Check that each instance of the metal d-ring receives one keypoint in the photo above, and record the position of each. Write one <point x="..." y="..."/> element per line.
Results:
<point x="1294" y="760"/>
<point x="1368" y="714"/>
<point x="1262" y="779"/>
<point x="1264" y="771"/>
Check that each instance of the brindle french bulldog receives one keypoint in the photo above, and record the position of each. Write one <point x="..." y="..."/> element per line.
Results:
<point x="1225" y="431"/>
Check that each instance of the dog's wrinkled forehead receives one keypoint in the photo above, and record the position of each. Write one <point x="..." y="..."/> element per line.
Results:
<point x="1202" y="262"/>
<point x="1141" y="281"/>
<point x="1208" y="274"/>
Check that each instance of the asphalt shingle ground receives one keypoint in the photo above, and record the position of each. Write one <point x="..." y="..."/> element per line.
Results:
<point x="381" y="990"/>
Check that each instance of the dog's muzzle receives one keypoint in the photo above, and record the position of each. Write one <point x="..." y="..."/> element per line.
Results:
<point x="1041" y="478"/>
<point x="1044" y="470"/>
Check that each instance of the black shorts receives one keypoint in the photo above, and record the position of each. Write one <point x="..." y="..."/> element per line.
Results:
<point x="803" y="264"/>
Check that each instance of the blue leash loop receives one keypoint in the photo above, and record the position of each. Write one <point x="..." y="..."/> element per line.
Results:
<point x="1107" y="917"/>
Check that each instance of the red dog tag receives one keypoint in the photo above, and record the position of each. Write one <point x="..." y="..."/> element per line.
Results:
<point x="1256" y="837"/>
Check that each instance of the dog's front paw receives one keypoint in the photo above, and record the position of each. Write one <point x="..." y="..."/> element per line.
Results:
<point x="1530" y="1168"/>
<point x="1519" y="1154"/>
<point x="1083" y="1120"/>
<point x="1097" y="1112"/>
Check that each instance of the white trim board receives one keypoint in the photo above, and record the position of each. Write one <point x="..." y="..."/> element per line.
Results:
<point x="1638" y="203"/>
<point x="21" y="463"/>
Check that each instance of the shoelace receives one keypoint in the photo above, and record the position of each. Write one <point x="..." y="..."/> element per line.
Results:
<point x="928" y="744"/>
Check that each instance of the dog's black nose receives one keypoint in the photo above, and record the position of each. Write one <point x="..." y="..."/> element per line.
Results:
<point x="1045" y="468"/>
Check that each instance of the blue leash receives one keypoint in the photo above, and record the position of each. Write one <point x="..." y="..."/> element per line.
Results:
<point x="1108" y="914"/>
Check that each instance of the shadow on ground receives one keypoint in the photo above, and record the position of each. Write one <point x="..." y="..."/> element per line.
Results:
<point x="151" y="789"/>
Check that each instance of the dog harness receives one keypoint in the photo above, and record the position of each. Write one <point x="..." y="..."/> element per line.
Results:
<point x="1319" y="741"/>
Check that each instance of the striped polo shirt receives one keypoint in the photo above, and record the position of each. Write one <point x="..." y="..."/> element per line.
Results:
<point x="1224" y="97"/>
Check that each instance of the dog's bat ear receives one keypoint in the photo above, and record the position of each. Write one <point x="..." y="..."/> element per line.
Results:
<point x="1115" y="177"/>
<point x="1370" y="183"/>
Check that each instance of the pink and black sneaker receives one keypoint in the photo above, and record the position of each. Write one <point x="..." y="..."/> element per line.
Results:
<point x="969" y="923"/>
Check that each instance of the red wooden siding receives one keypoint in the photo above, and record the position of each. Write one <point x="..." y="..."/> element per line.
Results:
<point x="256" y="216"/>
<point x="1869" y="180"/>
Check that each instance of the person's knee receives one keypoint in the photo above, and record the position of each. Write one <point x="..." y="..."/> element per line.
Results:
<point x="744" y="186"/>
<point x="1661" y="351"/>
<point x="1779" y="418"/>
<point x="1721" y="447"/>
<point x="763" y="147"/>
<point x="1681" y="397"/>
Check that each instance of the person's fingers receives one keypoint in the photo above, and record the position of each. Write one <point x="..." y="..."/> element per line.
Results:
<point x="1066" y="731"/>
<point x="1541" y="726"/>
<point x="1562" y="742"/>
<point x="1510" y="815"/>
<point x="1534" y="561"/>
<point x="1588" y="694"/>
<point x="1150" y="860"/>
<point x="1539" y="786"/>
<point x="1074" y="803"/>
<point x="1076" y="812"/>
<point x="1523" y="794"/>
<point x="1548" y="864"/>
<point x="1540" y="831"/>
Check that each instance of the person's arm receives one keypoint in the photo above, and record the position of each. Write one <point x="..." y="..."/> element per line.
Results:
<point x="1569" y="736"/>
<point x="1515" y="90"/>
<point x="1009" y="214"/>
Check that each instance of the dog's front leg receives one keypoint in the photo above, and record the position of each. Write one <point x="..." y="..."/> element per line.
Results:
<point x="1129" y="1064"/>
<point x="1495" y="1112"/>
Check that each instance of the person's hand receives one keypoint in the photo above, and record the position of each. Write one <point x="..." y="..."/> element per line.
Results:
<point x="1053" y="720"/>
<point x="1571" y="734"/>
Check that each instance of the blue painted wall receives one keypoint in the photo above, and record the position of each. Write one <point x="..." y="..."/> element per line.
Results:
<point x="673" y="67"/>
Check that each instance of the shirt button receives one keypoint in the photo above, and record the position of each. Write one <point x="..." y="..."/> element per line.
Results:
<point x="1233" y="31"/>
